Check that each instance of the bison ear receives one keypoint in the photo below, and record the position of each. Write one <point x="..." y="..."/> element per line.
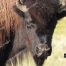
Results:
<point x="20" y="8"/>
<point x="18" y="11"/>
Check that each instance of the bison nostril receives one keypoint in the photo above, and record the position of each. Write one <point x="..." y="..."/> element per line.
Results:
<point x="38" y="51"/>
<point x="41" y="49"/>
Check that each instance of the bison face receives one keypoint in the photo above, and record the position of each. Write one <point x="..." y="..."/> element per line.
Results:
<point x="40" y="17"/>
<point x="36" y="25"/>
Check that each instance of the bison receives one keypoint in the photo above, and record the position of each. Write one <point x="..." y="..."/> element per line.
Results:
<point x="28" y="25"/>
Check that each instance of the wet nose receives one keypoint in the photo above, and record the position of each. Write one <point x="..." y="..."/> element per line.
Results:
<point x="41" y="49"/>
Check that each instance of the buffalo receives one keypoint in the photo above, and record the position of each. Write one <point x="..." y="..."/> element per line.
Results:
<point x="29" y="26"/>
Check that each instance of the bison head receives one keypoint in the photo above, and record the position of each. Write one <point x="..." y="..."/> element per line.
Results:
<point x="40" y="18"/>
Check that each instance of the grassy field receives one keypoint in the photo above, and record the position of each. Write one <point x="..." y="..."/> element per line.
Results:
<point x="58" y="49"/>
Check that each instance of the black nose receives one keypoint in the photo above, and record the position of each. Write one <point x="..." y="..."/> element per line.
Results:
<point x="41" y="53"/>
<point x="41" y="49"/>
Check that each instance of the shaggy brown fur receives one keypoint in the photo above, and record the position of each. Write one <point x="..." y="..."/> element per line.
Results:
<point x="9" y="22"/>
